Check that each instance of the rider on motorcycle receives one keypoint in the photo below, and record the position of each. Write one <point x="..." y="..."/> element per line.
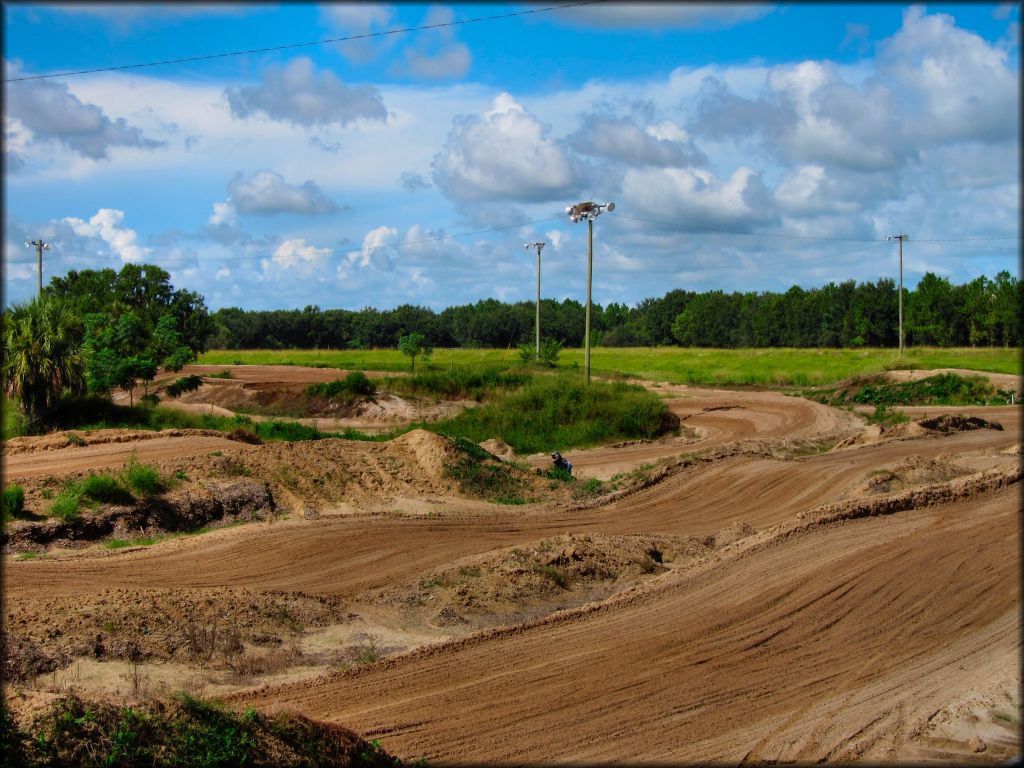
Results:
<point x="560" y="462"/>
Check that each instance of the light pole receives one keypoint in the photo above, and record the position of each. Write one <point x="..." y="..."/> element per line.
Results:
<point x="588" y="211"/>
<point x="40" y="246"/>
<point x="539" y="246"/>
<point x="901" y="238"/>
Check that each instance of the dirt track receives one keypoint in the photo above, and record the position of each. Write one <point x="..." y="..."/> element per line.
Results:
<point x="875" y="637"/>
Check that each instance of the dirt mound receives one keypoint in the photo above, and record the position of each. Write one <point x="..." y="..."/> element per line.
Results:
<point x="1003" y="381"/>
<point x="916" y="470"/>
<point x="946" y="424"/>
<point x="225" y="628"/>
<point x="513" y="583"/>
<point x="499" y="448"/>
<point x="431" y="452"/>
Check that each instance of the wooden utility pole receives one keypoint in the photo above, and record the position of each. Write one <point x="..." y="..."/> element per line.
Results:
<point x="901" y="238"/>
<point x="40" y="246"/>
<point x="538" y="246"/>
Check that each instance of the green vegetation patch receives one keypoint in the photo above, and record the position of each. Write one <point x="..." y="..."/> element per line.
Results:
<point x="560" y="412"/>
<point x="135" y="480"/>
<point x="183" y="732"/>
<point x="459" y="383"/>
<point x="13" y="502"/>
<point x="941" y="389"/>
<point x="356" y="384"/>
<point x="480" y="474"/>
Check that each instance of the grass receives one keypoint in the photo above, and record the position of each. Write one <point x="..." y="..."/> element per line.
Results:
<point x="185" y="731"/>
<point x="887" y="417"/>
<point x="134" y="480"/>
<point x="781" y="367"/>
<point x="941" y="389"/>
<point x="13" y="502"/>
<point x="560" y="412"/>
<point x="461" y="383"/>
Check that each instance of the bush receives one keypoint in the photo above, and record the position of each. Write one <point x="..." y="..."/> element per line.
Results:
<point x="143" y="479"/>
<point x="105" y="489"/>
<point x="356" y="383"/>
<point x="13" y="501"/>
<point x="559" y="412"/>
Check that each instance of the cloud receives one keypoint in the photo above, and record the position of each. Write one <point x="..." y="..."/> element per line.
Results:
<point x="961" y="86"/>
<point x="856" y="37"/>
<point x="414" y="182"/>
<point x="622" y="139"/>
<point x="923" y="90"/>
<point x="298" y="94"/>
<point x="50" y="112"/>
<point x="377" y="251"/>
<point x="106" y="227"/>
<point x="697" y="197"/>
<point x="503" y="155"/>
<point x="349" y="19"/>
<point x="705" y="16"/>
<point x="435" y="54"/>
<point x="295" y="253"/>
<point x="266" y="192"/>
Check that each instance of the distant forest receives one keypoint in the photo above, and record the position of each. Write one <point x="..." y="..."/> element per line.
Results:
<point x="983" y="312"/>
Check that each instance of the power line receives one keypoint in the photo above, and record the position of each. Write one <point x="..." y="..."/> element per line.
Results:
<point x="269" y="49"/>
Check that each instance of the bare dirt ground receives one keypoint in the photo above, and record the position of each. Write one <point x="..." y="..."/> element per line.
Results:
<point x="748" y="593"/>
<point x="999" y="380"/>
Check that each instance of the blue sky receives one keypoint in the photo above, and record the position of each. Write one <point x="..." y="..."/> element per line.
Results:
<point x="747" y="147"/>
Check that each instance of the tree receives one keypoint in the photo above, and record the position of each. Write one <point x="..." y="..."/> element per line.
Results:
<point x="42" y="355"/>
<point x="412" y="345"/>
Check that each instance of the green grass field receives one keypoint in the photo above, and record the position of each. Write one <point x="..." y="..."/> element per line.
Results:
<point x="760" y="367"/>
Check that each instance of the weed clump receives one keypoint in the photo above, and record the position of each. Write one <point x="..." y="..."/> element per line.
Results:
<point x="356" y="384"/>
<point x="13" y="501"/>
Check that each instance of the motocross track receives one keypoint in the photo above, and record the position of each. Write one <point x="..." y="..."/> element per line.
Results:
<point x="817" y="615"/>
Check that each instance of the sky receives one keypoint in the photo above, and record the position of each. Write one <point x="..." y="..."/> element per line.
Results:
<point x="746" y="147"/>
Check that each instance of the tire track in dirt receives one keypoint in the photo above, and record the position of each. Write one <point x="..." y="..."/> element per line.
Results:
<point x="872" y="609"/>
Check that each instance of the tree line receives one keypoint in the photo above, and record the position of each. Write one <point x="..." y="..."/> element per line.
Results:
<point x="96" y="330"/>
<point x="983" y="312"/>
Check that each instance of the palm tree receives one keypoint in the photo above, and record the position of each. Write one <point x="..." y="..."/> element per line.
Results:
<point x="42" y="354"/>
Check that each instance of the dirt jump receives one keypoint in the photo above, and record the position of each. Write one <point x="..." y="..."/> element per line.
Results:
<point x="768" y="585"/>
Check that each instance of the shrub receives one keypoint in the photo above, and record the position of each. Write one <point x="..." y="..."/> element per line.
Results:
<point x="66" y="504"/>
<point x="13" y="501"/>
<point x="143" y="479"/>
<point x="558" y="412"/>
<point x="358" y="384"/>
<point x="105" y="489"/>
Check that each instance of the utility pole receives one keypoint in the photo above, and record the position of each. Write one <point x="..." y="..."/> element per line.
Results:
<point x="539" y="246"/>
<point x="40" y="246"/>
<point x="588" y="211"/>
<point x="901" y="238"/>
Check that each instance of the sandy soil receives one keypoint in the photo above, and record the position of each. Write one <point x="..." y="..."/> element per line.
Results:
<point x="751" y="596"/>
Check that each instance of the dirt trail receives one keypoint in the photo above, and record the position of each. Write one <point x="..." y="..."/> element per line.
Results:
<point x="791" y="640"/>
<point x="793" y="652"/>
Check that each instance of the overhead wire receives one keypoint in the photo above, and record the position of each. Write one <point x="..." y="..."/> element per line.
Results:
<point x="271" y="48"/>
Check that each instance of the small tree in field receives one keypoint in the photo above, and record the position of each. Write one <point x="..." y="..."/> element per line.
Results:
<point x="413" y="345"/>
